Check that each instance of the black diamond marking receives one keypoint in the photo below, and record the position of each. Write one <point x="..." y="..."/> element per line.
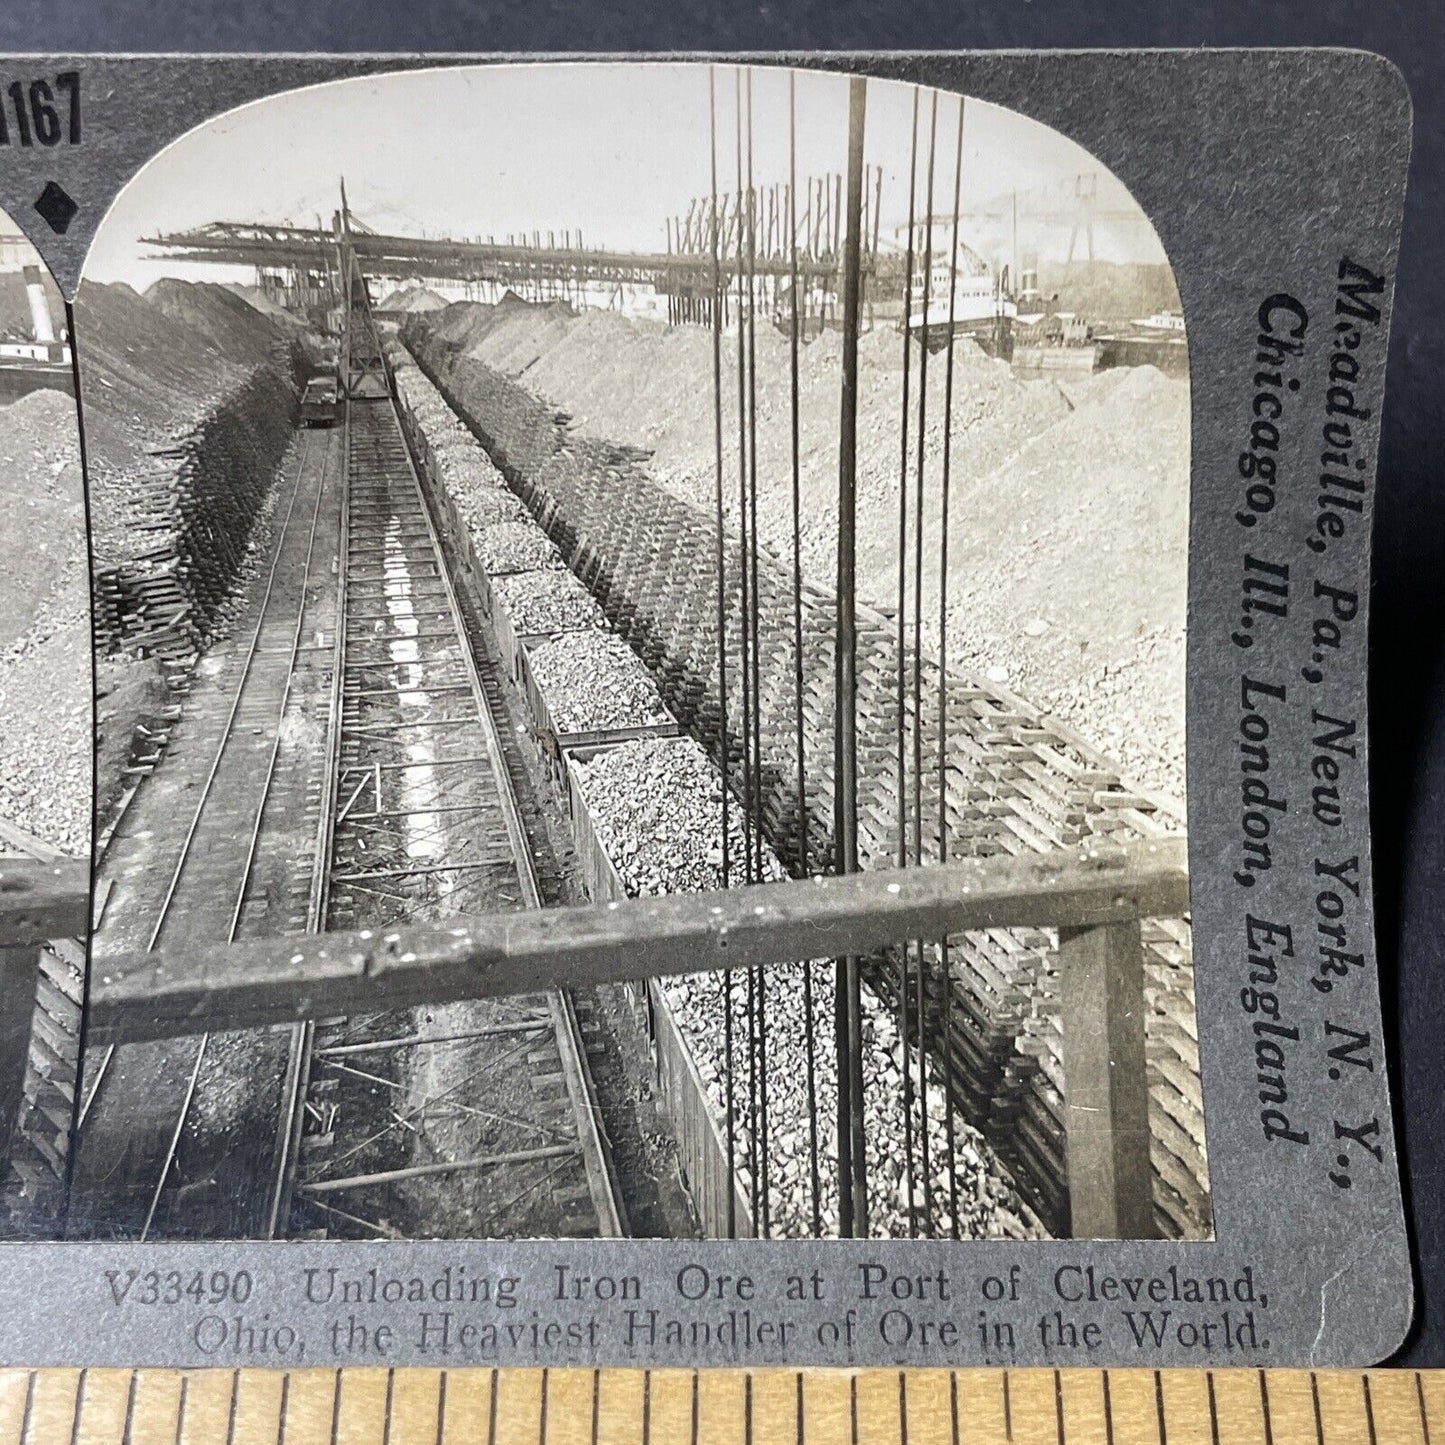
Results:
<point x="56" y="208"/>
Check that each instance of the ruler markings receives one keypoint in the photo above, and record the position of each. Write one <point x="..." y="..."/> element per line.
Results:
<point x="205" y="1413"/>
<point x="1132" y="1407"/>
<point x="519" y="1405"/>
<point x="877" y="1406"/>
<point x="932" y="1413"/>
<point x="774" y="1406"/>
<point x="719" y="1403"/>
<point x="153" y="1404"/>
<point x="285" y="1402"/>
<point x="79" y="1402"/>
<point x="1290" y="1397"/>
<point x="360" y="1418"/>
<point x="1238" y="1400"/>
<point x="1395" y="1403"/>
<point x="310" y="1414"/>
<point x="1187" y="1401"/>
<point x="52" y="1409"/>
<point x="980" y="1406"/>
<point x="181" y="1397"/>
<point x="467" y="1417"/>
<point x="587" y="1406"/>
<point x="257" y="1407"/>
<point x="621" y="1407"/>
<point x="568" y="1406"/>
<point x="1033" y="1407"/>
<point x="415" y="1407"/>
<point x="29" y="1408"/>
<point x="1342" y="1405"/>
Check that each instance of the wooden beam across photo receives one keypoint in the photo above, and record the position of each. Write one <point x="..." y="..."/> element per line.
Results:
<point x="268" y="981"/>
<point x="42" y="899"/>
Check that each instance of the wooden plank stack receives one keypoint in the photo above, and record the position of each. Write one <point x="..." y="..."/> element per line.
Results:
<point x="188" y="524"/>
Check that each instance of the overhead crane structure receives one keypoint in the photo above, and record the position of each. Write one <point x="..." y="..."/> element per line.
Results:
<point x="247" y="243"/>
<point x="560" y="263"/>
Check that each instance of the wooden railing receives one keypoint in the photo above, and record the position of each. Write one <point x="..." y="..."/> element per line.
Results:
<point x="1095" y="897"/>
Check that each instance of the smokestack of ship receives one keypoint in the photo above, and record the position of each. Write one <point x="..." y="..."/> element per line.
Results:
<point x="40" y="322"/>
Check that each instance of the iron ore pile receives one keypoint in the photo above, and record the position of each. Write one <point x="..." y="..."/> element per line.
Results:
<point x="505" y="539"/>
<point x="504" y="547"/>
<point x="527" y="574"/>
<point x="544" y="602"/>
<point x="45" y="691"/>
<point x="593" y="681"/>
<point x="1019" y="781"/>
<point x="656" y="806"/>
<point x="1068" y="531"/>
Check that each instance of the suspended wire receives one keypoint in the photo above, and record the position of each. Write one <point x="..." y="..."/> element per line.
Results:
<point x="901" y="701"/>
<point x="722" y="595"/>
<point x="763" y="1214"/>
<point x="945" y="1033"/>
<point x="919" y="972"/>
<point x="852" y="1161"/>
<point x="810" y="1042"/>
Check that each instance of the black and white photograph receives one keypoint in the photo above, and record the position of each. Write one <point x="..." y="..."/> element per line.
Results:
<point x="579" y="485"/>
<point x="45" y="731"/>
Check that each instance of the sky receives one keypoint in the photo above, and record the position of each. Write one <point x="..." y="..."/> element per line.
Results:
<point x="612" y="149"/>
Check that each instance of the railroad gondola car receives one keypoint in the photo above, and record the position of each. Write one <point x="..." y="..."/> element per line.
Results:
<point x="319" y="402"/>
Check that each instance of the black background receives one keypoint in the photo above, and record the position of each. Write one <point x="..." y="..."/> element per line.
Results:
<point x="1408" y="615"/>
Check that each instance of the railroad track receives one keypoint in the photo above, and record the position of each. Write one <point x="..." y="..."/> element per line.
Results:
<point x="471" y="1120"/>
<point x="169" y="1134"/>
<point x="346" y="759"/>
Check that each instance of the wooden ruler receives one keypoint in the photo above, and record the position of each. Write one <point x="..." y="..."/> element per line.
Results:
<point x="721" y="1407"/>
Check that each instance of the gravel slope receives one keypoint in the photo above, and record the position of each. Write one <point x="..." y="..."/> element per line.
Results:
<point x="45" y="678"/>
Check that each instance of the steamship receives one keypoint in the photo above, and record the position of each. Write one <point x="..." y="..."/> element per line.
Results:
<point x="964" y="295"/>
<point x="41" y="359"/>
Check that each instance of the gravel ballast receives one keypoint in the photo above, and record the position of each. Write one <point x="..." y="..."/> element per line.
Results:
<point x="593" y="681"/>
<point x="656" y="806"/>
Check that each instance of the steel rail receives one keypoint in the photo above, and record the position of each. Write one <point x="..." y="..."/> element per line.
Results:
<point x="561" y="1016"/>
<point x="580" y="1090"/>
<point x="104" y="1066"/>
<point x="303" y="1039"/>
<point x="265" y="792"/>
<point x="227" y="734"/>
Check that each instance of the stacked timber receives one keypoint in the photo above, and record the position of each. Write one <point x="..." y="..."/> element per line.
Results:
<point x="188" y="525"/>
